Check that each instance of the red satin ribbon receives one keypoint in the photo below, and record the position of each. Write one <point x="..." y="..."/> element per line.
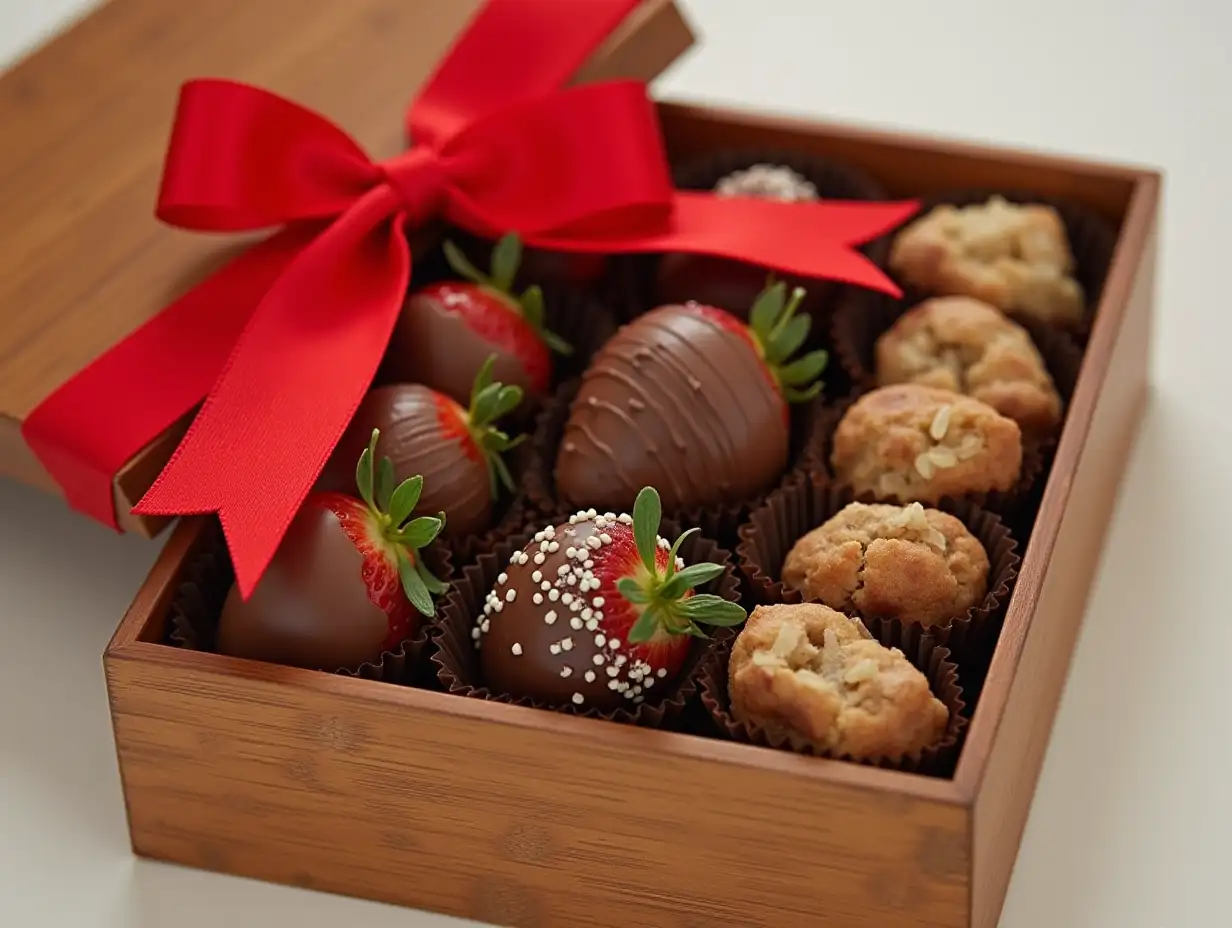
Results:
<point x="284" y="341"/>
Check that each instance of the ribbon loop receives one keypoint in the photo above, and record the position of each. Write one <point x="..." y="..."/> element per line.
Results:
<point x="420" y="181"/>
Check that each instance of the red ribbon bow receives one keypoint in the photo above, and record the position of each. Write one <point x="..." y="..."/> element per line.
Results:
<point x="287" y="337"/>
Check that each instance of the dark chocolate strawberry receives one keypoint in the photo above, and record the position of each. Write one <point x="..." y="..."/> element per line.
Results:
<point x="347" y="583"/>
<point x="448" y="329"/>
<point x="597" y="613"/>
<point x="458" y="451"/>
<point x="689" y="399"/>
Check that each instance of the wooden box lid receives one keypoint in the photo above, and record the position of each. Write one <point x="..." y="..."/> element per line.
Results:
<point x="85" y="120"/>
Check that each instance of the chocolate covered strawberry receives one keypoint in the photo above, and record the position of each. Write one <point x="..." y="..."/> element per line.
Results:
<point x="459" y="451"/>
<point x="691" y="400"/>
<point x="448" y="329"/>
<point x="347" y="583"/>
<point x="597" y="613"/>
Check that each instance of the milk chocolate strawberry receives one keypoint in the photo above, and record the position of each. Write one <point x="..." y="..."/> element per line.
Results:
<point x="448" y="329"/>
<point x="347" y="583"/>
<point x="691" y="400"/>
<point x="597" y="613"/>
<point x="458" y="451"/>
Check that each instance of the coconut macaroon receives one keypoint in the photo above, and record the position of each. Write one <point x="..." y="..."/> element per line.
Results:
<point x="815" y="677"/>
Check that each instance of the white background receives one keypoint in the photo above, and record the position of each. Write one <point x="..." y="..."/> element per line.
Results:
<point x="1132" y="823"/>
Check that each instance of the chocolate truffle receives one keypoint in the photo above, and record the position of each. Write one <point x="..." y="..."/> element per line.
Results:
<point x="816" y="678"/>
<point x="344" y="586"/>
<point x="962" y="344"/>
<point x="690" y="400"/>
<point x="884" y="561"/>
<point x="909" y="442"/>
<point x="447" y="330"/>
<point x="721" y="282"/>
<point x="458" y="451"/>
<point x="596" y="613"/>
<point x="1016" y="257"/>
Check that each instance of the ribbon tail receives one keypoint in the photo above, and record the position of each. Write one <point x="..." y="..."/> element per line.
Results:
<point x="816" y="240"/>
<point x="290" y="387"/>
<point x="98" y="421"/>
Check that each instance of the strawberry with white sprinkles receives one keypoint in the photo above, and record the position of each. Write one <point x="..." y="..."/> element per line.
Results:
<point x="597" y="613"/>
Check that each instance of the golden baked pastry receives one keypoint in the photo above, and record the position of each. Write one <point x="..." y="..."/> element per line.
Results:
<point x="965" y="345"/>
<point x="815" y="677"/>
<point x="908" y="442"/>
<point x="884" y="561"/>
<point x="1016" y="257"/>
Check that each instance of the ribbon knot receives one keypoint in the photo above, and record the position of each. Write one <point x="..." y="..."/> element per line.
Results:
<point x="421" y="183"/>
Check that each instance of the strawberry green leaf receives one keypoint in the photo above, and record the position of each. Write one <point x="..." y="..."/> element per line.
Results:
<point x="711" y="610"/>
<point x="767" y="307"/>
<point x="507" y="401"/>
<point x="461" y="265"/>
<point x="805" y="369"/>
<point x="385" y="480"/>
<point x="414" y="587"/>
<point x="532" y="306"/>
<point x="672" y="555"/>
<point x="498" y="473"/>
<point x="786" y="341"/>
<point x="506" y="257"/>
<point x="435" y="587"/>
<point x="691" y="577"/>
<point x="363" y="471"/>
<point x="631" y="590"/>
<point x="404" y="499"/>
<point x="422" y="532"/>
<point x="484" y="405"/>
<point x="555" y="342"/>
<point x="792" y="395"/>
<point x="647" y="513"/>
<point x="482" y="378"/>
<point x="645" y="627"/>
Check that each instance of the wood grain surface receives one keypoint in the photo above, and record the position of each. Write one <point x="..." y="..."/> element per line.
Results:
<point x="531" y="818"/>
<point x="84" y="124"/>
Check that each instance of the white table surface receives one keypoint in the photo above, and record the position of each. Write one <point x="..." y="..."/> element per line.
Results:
<point x="1132" y="822"/>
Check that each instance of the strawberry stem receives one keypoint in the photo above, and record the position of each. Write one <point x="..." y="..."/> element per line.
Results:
<point x="506" y="257"/>
<point x="666" y="597"/>
<point x="491" y="400"/>
<point x="779" y="333"/>
<point x="391" y="506"/>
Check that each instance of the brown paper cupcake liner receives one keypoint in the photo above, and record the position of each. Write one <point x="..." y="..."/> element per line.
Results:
<point x="634" y="277"/>
<point x="719" y="521"/>
<point x="936" y="760"/>
<point x="456" y="658"/>
<point x="1092" y="240"/>
<point x="192" y="623"/>
<point x="1009" y="505"/>
<point x="804" y="504"/>
<point x="863" y="317"/>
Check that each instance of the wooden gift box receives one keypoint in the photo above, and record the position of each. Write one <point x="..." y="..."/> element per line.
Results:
<point x="500" y="813"/>
<point x="525" y="817"/>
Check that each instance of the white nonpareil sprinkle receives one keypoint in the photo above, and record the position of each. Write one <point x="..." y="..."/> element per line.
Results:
<point x="664" y="543"/>
<point x="536" y="576"/>
<point x="578" y="699"/>
<point x="553" y="547"/>
<point x="613" y="671"/>
<point x="501" y="578"/>
<point x="549" y="617"/>
<point x="539" y="535"/>
<point x="598" y="602"/>
<point x="767" y="182"/>
<point x="562" y="570"/>
<point x="475" y="633"/>
<point x="661" y="672"/>
<point x="553" y="594"/>
<point x="587" y="613"/>
<point x="613" y="642"/>
<point x="575" y="623"/>
<point x="598" y="660"/>
<point x="566" y="644"/>
<point x="545" y="585"/>
<point x="625" y="518"/>
<point x="511" y="595"/>
<point x="594" y="542"/>
<point x="592" y="624"/>
<point x="566" y="671"/>
<point x="613" y="684"/>
<point x="600" y="640"/>
<point x="605" y="538"/>
<point x="567" y="598"/>
<point x="590" y="676"/>
<point x="516" y="649"/>
<point x="498" y="605"/>
<point x="539" y="557"/>
<point x="537" y="599"/>
<point x="680" y="563"/>
<point x="554" y="648"/>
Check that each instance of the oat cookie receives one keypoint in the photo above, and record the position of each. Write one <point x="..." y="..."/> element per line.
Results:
<point x="908" y="442"/>
<point x="815" y="676"/>
<point x="968" y="346"/>
<point x="1016" y="257"/>
<point x="885" y="561"/>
